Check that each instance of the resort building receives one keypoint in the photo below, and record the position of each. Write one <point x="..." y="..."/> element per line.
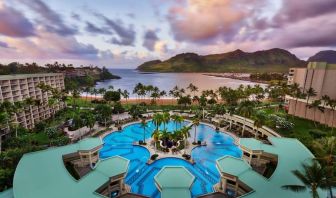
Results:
<point x="83" y="170"/>
<point x="240" y="179"/>
<point x="15" y="88"/>
<point x="45" y="174"/>
<point x="168" y="184"/>
<point x="321" y="77"/>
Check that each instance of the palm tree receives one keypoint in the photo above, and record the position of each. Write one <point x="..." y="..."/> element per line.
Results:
<point x="325" y="152"/>
<point x="259" y="121"/>
<point x="184" y="131"/>
<point x="87" y="90"/>
<point x="75" y="95"/>
<point x="310" y="93"/>
<point x="4" y="119"/>
<point x="295" y="93"/>
<point x="30" y="102"/>
<point x="332" y="104"/>
<point x="155" y="93"/>
<point x="102" y="91"/>
<point x="180" y="120"/>
<point x="110" y="88"/>
<point x="51" y="103"/>
<point x="165" y="119"/>
<point x="144" y="125"/>
<point x="156" y="135"/>
<point x="175" y="92"/>
<point x="90" y="120"/>
<point x="195" y="123"/>
<point x="231" y="111"/>
<point x="138" y="87"/>
<point x="17" y="108"/>
<point x="94" y="92"/>
<point x="177" y="119"/>
<point x="126" y="95"/>
<point x="192" y="89"/>
<point x="325" y="99"/>
<point x="246" y="109"/>
<point x="162" y="94"/>
<point x="157" y="120"/>
<point x="312" y="177"/>
<point x="316" y="105"/>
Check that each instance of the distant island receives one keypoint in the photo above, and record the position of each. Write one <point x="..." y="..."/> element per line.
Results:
<point x="83" y="76"/>
<point x="272" y="60"/>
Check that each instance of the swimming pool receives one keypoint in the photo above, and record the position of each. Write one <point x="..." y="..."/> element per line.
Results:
<point x="140" y="176"/>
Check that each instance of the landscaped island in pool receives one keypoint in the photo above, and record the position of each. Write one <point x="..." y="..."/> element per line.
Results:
<point x="140" y="175"/>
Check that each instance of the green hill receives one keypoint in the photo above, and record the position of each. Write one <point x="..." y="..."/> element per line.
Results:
<point x="273" y="60"/>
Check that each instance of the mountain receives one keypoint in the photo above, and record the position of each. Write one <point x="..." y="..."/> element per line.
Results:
<point x="273" y="60"/>
<point x="328" y="56"/>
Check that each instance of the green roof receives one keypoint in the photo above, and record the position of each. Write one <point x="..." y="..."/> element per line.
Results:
<point x="43" y="174"/>
<point x="166" y="177"/>
<point x="291" y="154"/>
<point x="250" y="143"/>
<point x="232" y="165"/>
<point x="89" y="143"/>
<point x="119" y="164"/>
<point x="172" y="187"/>
<point x="175" y="193"/>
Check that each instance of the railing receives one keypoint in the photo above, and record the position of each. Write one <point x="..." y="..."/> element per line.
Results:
<point x="249" y="123"/>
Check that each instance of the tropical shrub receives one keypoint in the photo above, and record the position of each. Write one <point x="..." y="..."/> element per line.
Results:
<point x="51" y="132"/>
<point x="186" y="156"/>
<point x="280" y="122"/>
<point x="154" y="156"/>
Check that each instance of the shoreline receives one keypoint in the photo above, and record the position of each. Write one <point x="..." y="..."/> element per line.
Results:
<point x="235" y="77"/>
<point x="162" y="101"/>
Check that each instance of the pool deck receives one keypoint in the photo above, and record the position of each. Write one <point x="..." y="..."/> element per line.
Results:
<point x="43" y="174"/>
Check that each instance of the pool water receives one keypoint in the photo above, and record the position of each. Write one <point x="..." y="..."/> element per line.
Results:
<point x="140" y="176"/>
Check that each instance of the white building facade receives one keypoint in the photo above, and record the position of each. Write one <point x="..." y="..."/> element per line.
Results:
<point x="15" y="88"/>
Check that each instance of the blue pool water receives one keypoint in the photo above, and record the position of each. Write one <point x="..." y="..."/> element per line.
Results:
<point x="140" y="176"/>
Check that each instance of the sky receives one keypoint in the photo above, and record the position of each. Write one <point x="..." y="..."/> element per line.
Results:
<point x="126" y="33"/>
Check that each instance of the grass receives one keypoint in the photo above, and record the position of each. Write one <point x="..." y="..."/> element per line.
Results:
<point x="304" y="130"/>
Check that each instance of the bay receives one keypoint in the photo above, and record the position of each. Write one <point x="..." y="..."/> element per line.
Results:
<point x="166" y="81"/>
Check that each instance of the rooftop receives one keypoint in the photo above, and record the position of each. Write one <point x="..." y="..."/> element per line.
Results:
<point x="233" y="166"/>
<point x="89" y="143"/>
<point x="291" y="154"/>
<point x="251" y="144"/>
<point x="23" y="76"/>
<point x="43" y="174"/>
<point x="170" y="186"/>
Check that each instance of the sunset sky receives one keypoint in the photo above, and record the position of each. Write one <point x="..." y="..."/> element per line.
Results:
<point x="125" y="33"/>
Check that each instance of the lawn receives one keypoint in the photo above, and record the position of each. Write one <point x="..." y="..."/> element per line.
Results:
<point x="304" y="130"/>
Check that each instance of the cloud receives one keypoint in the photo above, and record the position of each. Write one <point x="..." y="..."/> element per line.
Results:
<point x="92" y="28"/>
<point x="125" y="34"/>
<point x="14" y="24"/>
<point x="204" y="21"/>
<point x="217" y="26"/>
<point x="50" y="45"/>
<point x="76" y="16"/>
<point x="51" y="20"/>
<point x="305" y="33"/>
<point x="150" y="39"/>
<point x="161" y="47"/>
<point x="3" y="45"/>
<point x="294" y="11"/>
